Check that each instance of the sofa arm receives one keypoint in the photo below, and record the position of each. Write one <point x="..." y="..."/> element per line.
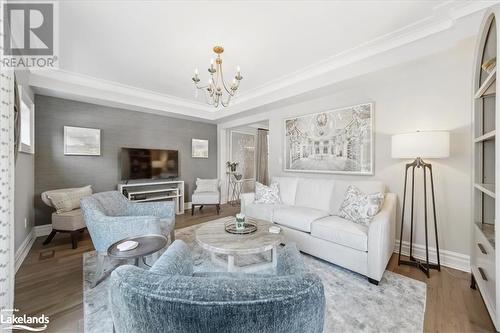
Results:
<point x="381" y="237"/>
<point x="246" y="199"/>
<point x="176" y="260"/>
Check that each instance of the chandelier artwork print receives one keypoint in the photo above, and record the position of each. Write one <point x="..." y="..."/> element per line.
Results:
<point x="335" y="141"/>
<point x="217" y="92"/>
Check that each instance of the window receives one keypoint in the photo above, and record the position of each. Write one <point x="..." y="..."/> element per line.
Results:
<point x="27" y="141"/>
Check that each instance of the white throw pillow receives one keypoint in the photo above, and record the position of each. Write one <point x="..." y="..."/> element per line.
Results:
<point x="267" y="194"/>
<point x="359" y="207"/>
<point x="68" y="200"/>
<point x="207" y="185"/>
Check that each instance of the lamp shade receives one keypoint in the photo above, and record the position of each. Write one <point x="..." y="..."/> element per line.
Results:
<point x="427" y="144"/>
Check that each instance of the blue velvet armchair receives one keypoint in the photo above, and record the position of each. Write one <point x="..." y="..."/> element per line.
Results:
<point x="170" y="297"/>
<point x="110" y="217"/>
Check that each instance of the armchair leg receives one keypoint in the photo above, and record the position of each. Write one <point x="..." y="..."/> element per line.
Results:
<point x="218" y="208"/>
<point x="74" y="238"/>
<point x="50" y="237"/>
<point x="192" y="210"/>
<point x="99" y="269"/>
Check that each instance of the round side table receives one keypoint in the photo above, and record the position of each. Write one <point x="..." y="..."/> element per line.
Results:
<point x="148" y="244"/>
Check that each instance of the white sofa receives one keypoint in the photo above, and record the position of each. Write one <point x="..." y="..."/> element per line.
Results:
<point x="308" y="216"/>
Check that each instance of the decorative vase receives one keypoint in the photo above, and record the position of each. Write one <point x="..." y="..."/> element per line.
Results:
<point x="240" y="221"/>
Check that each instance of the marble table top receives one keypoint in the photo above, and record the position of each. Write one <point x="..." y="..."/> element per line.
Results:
<point x="213" y="237"/>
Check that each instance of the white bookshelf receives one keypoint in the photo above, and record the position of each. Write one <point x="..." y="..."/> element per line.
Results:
<point x="484" y="258"/>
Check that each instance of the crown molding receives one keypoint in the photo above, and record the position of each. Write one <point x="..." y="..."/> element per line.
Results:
<point x="357" y="61"/>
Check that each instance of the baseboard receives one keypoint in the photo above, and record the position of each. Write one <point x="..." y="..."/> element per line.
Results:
<point x="448" y="258"/>
<point x="24" y="249"/>
<point x="42" y="230"/>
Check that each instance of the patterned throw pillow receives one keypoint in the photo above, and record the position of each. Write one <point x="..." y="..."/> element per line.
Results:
<point x="359" y="207"/>
<point x="267" y="194"/>
<point x="68" y="200"/>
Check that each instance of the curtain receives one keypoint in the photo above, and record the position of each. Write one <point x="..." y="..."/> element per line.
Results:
<point x="6" y="192"/>
<point x="262" y="156"/>
<point x="17" y="119"/>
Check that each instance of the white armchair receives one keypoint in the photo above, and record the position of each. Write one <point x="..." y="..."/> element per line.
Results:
<point x="207" y="193"/>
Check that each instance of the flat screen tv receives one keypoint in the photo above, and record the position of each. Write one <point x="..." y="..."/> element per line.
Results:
<point x="141" y="163"/>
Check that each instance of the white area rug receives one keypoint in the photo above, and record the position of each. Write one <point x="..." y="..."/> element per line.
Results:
<point x="353" y="304"/>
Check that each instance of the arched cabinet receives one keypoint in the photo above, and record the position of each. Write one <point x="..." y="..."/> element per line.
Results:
<point x="484" y="258"/>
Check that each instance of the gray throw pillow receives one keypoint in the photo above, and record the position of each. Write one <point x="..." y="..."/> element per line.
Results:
<point x="359" y="207"/>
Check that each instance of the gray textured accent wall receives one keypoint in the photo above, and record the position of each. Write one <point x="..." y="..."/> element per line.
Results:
<point x="119" y="128"/>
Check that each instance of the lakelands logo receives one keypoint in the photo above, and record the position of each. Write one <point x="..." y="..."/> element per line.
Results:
<point x="9" y="321"/>
<point x="29" y="31"/>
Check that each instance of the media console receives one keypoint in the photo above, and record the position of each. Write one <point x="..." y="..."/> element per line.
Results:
<point x="142" y="191"/>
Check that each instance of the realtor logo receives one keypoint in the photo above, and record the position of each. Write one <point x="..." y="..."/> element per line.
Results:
<point x="29" y="30"/>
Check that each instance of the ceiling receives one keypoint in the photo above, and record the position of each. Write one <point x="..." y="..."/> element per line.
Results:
<point x="147" y="50"/>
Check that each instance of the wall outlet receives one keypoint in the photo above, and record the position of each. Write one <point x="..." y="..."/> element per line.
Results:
<point x="25" y="223"/>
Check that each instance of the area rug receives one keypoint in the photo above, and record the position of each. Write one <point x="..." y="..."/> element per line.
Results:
<point x="353" y="304"/>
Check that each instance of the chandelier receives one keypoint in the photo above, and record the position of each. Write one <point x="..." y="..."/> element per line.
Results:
<point x="217" y="91"/>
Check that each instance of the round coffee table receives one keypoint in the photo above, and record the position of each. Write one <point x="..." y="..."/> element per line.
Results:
<point x="148" y="244"/>
<point x="213" y="237"/>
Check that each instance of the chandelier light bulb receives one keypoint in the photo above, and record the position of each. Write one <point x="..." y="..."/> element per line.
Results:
<point x="212" y="61"/>
<point x="196" y="71"/>
<point x="238" y="69"/>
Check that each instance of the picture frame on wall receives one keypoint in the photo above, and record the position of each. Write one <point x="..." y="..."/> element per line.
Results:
<point x="199" y="148"/>
<point x="337" y="141"/>
<point x="82" y="141"/>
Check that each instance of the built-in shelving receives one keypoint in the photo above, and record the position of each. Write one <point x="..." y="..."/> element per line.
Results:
<point x="488" y="189"/>
<point x="485" y="137"/>
<point x="488" y="231"/>
<point x="483" y="256"/>
<point x="488" y="87"/>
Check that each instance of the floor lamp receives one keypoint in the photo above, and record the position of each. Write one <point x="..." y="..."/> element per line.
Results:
<point x="419" y="145"/>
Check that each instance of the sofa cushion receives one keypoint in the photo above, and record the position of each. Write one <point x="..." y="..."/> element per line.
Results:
<point x="366" y="186"/>
<point x="65" y="200"/>
<point x="288" y="189"/>
<point x="299" y="218"/>
<point x="314" y="193"/>
<point x="261" y="211"/>
<point x="68" y="221"/>
<point x="341" y="231"/>
<point x="207" y="185"/>
<point x="205" y="198"/>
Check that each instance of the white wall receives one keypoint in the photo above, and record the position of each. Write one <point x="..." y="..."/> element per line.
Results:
<point x="433" y="92"/>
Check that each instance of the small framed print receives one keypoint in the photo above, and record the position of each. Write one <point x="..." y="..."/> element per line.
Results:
<point x="82" y="141"/>
<point x="199" y="148"/>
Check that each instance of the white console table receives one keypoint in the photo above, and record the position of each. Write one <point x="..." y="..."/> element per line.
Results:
<point x="155" y="191"/>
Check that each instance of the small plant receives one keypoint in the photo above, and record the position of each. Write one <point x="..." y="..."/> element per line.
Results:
<point x="232" y="166"/>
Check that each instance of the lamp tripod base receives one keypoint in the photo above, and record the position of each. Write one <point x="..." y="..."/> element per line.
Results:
<point x="424" y="265"/>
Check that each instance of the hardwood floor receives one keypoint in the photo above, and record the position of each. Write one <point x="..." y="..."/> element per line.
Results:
<point x="50" y="282"/>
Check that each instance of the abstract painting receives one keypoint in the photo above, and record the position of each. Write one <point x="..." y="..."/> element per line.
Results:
<point x="334" y="141"/>
<point x="82" y="141"/>
<point x="199" y="148"/>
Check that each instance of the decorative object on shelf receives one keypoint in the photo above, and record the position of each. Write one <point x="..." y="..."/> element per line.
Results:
<point x="248" y="227"/>
<point x="232" y="166"/>
<point x="199" y="148"/>
<point x="237" y="176"/>
<point x="217" y="87"/>
<point x="82" y="141"/>
<point x="418" y="145"/>
<point x="334" y="141"/>
<point x="240" y="221"/>
<point x="489" y="65"/>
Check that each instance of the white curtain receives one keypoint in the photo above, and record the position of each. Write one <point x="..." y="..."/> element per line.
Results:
<point x="6" y="192"/>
